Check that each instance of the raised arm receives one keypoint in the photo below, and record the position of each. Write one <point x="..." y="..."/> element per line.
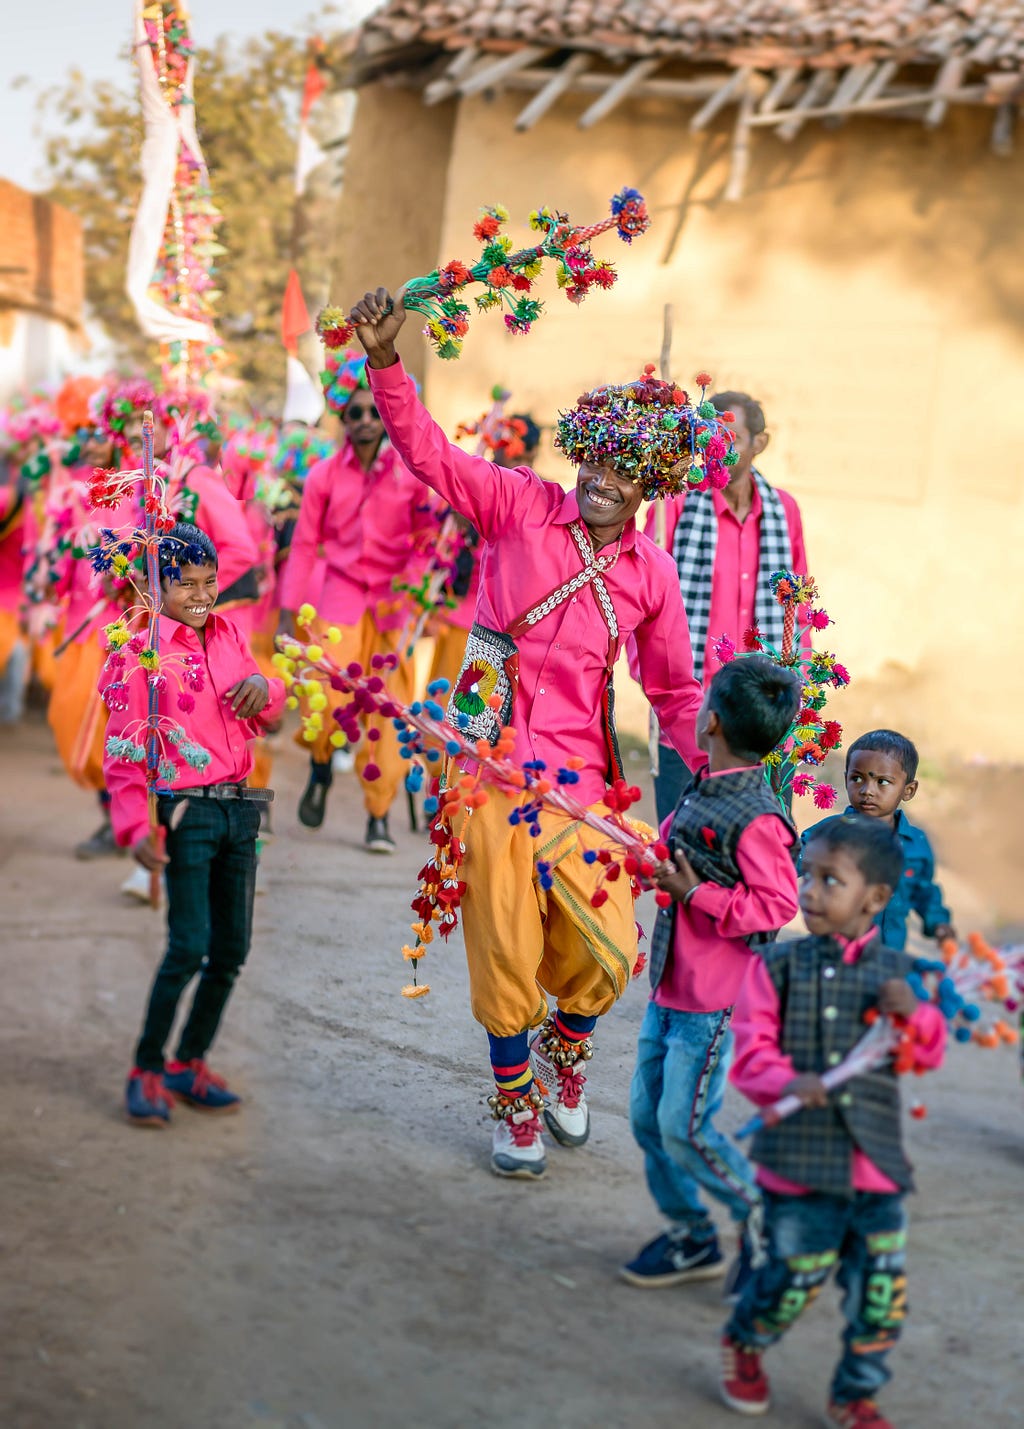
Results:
<point x="664" y="662"/>
<point x="488" y="495"/>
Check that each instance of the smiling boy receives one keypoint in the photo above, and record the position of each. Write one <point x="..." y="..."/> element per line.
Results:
<point x="211" y="821"/>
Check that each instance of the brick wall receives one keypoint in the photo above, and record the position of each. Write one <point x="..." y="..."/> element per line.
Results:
<point x="41" y="259"/>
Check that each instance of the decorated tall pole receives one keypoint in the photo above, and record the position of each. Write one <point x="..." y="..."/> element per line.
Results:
<point x="151" y="503"/>
<point x="172" y="251"/>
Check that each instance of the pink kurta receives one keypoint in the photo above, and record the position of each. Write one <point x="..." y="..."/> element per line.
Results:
<point x="224" y="521"/>
<point x="761" y="1070"/>
<point x="562" y="660"/>
<point x="225" y="659"/>
<point x="737" y="556"/>
<point x="373" y="527"/>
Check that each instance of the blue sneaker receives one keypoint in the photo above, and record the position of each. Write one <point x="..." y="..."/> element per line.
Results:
<point x="673" y="1259"/>
<point x="194" y="1083"/>
<point x="146" y="1099"/>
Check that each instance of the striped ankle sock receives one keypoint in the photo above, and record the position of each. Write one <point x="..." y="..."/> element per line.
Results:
<point x="571" y="1027"/>
<point x="510" y="1063"/>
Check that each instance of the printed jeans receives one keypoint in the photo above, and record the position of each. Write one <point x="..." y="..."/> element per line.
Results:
<point x="863" y="1238"/>
<point x="678" y="1086"/>
<point x="211" y="882"/>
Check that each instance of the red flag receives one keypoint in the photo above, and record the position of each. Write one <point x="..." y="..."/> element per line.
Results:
<point x="314" y="87"/>
<point x="294" y="314"/>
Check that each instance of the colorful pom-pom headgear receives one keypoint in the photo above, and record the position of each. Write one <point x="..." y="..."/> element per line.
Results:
<point x="124" y="401"/>
<point x="74" y="404"/>
<point x="344" y="373"/>
<point x="651" y="432"/>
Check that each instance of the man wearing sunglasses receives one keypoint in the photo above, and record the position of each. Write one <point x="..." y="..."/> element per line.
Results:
<point x="370" y="519"/>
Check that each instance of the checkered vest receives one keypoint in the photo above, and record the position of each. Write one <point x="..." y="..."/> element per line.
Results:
<point x="708" y="821"/>
<point x="822" y="1002"/>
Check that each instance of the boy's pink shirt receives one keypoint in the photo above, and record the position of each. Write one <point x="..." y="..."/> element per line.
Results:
<point x="737" y="557"/>
<point x="226" y="659"/>
<point x="761" y="1070"/>
<point x="562" y="660"/>
<point x="710" y="955"/>
<point x="373" y="526"/>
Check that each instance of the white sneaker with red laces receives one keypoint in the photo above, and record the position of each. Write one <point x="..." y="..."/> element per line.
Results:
<point x="518" y="1146"/>
<point x="565" y="1108"/>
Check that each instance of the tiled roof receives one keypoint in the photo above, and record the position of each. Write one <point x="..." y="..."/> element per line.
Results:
<point x="764" y="33"/>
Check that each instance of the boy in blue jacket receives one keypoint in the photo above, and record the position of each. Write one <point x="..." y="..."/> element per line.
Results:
<point x="881" y="776"/>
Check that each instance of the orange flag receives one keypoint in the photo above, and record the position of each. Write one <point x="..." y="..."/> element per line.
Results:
<point x="294" y="314"/>
<point x="314" y="87"/>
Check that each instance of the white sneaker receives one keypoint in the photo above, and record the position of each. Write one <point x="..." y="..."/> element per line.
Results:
<point x="518" y="1147"/>
<point x="565" y="1107"/>
<point x="342" y="761"/>
<point x="136" y="885"/>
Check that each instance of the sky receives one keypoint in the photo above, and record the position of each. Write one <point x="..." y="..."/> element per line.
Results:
<point x="43" y="41"/>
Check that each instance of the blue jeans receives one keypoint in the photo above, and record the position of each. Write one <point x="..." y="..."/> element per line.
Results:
<point x="863" y="1238"/>
<point x="678" y="1086"/>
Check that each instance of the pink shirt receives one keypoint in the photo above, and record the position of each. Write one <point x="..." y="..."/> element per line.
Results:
<point x="373" y="527"/>
<point x="762" y="1071"/>
<point x="737" y="556"/>
<point x="224" y="521"/>
<point x="710" y="955"/>
<point x="562" y="660"/>
<point x="12" y="536"/>
<point x="225" y="660"/>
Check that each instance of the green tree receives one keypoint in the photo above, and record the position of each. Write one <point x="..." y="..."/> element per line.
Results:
<point x="247" y="100"/>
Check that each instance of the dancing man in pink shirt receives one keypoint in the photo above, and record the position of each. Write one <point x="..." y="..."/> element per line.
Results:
<point x="565" y="578"/>
<point x="726" y="544"/>
<point x="371" y="519"/>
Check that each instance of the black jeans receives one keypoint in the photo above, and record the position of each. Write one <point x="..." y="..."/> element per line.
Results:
<point x="211" y="881"/>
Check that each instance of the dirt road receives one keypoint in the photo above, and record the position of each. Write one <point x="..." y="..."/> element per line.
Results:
<point x="339" y="1256"/>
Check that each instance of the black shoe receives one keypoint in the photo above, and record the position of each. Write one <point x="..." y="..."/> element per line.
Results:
<point x="312" y="804"/>
<point x="378" y="839"/>
<point x="101" y="844"/>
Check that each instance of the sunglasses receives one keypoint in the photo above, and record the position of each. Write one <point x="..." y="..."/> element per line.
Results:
<point x="353" y="414"/>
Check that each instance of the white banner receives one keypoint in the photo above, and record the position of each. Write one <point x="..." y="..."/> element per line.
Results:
<point x="164" y="129"/>
<point x="303" y="401"/>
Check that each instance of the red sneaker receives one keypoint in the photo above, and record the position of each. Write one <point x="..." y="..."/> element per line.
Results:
<point x="744" y="1384"/>
<point x="857" y="1414"/>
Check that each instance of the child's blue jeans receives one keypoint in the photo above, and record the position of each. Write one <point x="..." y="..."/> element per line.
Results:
<point x="678" y="1086"/>
<point x="863" y="1238"/>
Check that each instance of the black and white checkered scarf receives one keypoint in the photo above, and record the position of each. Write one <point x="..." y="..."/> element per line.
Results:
<point x="696" y="537"/>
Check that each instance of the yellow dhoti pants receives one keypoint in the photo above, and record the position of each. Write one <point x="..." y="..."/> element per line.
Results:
<point x="360" y="643"/>
<point x="449" y="653"/>
<point x="523" y="940"/>
<point x="77" y="715"/>
<point x="262" y="647"/>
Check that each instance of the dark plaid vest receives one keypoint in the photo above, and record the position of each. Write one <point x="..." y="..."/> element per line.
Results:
<point x="708" y="821"/>
<point x="822" y="1002"/>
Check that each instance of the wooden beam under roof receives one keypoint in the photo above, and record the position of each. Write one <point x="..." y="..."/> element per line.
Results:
<point x="447" y="84"/>
<point x="728" y="90"/>
<point x="488" y="75"/>
<point x="617" y="91"/>
<point x="790" y="124"/>
<point x="949" y="78"/>
<point x="561" y="79"/>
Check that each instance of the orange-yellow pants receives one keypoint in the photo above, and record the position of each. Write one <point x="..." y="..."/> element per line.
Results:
<point x="449" y="652"/>
<point x="523" y="941"/>
<point x="262" y="646"/>
<point x="360" y="643"/>
<point x="77" y="715"/>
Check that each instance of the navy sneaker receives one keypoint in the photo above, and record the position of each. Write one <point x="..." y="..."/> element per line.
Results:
<point x="146" y="1099"/>
<point x="194" y="1083"/>
<point x="673" y="1259"/>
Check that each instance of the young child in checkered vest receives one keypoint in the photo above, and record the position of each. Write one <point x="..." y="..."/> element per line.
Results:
<point x="732" y="882"/>
<point x="834" y="1175"/>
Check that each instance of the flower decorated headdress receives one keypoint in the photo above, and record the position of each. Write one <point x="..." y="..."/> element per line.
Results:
<point x="650" y="431"/>
<point x="343" y="374"/>
<point x="75" y="404"/>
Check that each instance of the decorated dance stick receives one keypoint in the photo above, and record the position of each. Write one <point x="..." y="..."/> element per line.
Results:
<point x="507" y="277"/>
<point x="877" y="1045"/>
<point x="810" y="737"/>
